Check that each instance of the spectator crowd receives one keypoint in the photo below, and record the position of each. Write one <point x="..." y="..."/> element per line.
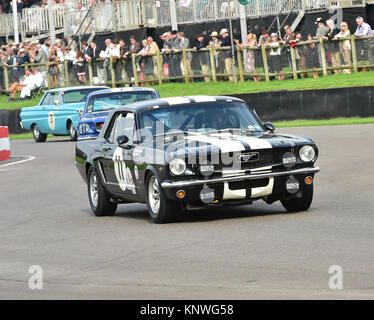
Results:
<point x="119" y="58"/>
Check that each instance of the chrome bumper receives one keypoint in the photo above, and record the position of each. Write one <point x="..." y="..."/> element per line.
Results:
<point x="201" y="182"/>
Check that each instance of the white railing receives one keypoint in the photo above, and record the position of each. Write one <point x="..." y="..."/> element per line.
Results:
<point x="108" y="16"/>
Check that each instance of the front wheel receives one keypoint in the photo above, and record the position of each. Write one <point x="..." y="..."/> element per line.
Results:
<point x="99" y="201"/>
<point x="160" y="209"/>
<point x="300" y="204"/>
<point x="38" y="136"/>
<point x="73" y="134"/>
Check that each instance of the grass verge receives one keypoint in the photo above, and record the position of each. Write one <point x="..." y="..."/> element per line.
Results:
<point x="227" y="88"/>
<point x="282" y="124"/>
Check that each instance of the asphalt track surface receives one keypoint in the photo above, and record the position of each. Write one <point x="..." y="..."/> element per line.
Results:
<point x="248" y="252"/>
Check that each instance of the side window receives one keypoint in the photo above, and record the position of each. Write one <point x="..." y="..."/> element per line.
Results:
<point x="46" y="100"/>
<point x="123" y="124"/>
<point x="55" y="98"/>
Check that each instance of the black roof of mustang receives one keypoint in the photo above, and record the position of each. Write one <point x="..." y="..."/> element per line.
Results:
<point x="162" y="102"/>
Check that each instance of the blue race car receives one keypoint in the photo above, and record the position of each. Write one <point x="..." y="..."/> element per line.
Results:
<point x="57" y="112"/>
<point x="100" y="103"/>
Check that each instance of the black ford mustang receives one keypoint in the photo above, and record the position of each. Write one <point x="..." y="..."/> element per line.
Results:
<point x="192" y="153"/>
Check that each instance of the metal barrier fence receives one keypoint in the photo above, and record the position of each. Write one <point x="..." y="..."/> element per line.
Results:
<point x="129" y="14"/>
<point x="260" y="63"/>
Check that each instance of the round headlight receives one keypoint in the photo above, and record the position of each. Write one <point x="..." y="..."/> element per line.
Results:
<point x="307" y="153"/>
<point x="177" y="166"/>
<point x="84" y="128"/>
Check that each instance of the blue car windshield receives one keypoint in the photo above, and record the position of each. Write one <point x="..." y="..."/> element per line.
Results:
<point x="74" y="96"/>
<point x="201" y="117"/>
<point x="111" y="100"/>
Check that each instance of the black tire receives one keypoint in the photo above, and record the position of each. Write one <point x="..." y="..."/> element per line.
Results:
<point x="102" y="205"/>
<point x="300" y="204"/>
<point x="73" y="134"/>
<point x="166" y="209"/>
<point x="38" y="136"/>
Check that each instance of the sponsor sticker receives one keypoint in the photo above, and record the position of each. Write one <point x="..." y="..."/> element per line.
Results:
<point x="207" y="195"/>
<point x="292" y="185"/>
<point x="289" y="159"/>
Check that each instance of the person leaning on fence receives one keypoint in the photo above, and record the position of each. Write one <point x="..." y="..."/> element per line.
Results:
<point x="300" y="52"/>
<point x="249" y="56"/>
<point x="288" y="38"/>
<point x="53" y="68"/>
<point x="153" y="49"/>
<point x="203" y="56"/>
<point x="93" y="54"/>
<point x="122" y="62"/>
<point x="80" y="64"/>
<point x="215" y="44"/>
<point x="175" y="58"/>
<point x="312" y="56"/>
<point x="14" y="71"/>
<point x="345" y="45"/>
<point x="184" y="43"/>
<point x="332" y="47"/>
<point x="275" y="56"/>
<point x="145" y="62"/>
<point x="227" y="54"/>
<point x="41" y="58"/>
<point x="363" y="30"/>
<point x="3" y="62"/>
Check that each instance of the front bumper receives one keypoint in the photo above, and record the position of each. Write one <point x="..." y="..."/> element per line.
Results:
<point x="202" y="182"/>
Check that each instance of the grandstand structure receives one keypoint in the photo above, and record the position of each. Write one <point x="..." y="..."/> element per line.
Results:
<point x="108" y="16"/>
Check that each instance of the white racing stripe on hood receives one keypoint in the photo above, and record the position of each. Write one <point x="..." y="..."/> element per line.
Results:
<point x="255" y="143"/>
<point x="225" y="145"/>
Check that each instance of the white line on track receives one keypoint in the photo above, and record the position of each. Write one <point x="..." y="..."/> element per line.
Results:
<point x="28" y="158"/>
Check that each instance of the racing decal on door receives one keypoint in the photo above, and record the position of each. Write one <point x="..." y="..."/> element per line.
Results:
<point x="51" y="120"/>
<point x="123" y="173"/>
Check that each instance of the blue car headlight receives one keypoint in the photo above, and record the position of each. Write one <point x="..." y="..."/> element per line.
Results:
<point x="84" y="128"/>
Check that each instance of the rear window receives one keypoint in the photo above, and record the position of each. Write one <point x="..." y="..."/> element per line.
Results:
<point x="111" y="100"/>
<point x="74" y="96"/>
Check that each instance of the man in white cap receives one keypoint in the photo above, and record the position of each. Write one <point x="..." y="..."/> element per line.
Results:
<point x="215" y="43"/>
<point x="227" y="54"/>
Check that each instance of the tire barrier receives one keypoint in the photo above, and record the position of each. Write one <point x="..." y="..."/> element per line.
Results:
<point x="11" y="119"/>
<point x="4" y="144"/>
<point x="279" y="105"/>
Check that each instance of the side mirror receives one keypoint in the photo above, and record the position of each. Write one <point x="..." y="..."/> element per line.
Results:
<point x="122" y="140"/>
<point x="269" y="126"/>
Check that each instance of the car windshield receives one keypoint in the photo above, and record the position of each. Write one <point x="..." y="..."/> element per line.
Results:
<point x="108" y="101"/>
<point x="74" y="96"/>
<point x="201" y="117"/>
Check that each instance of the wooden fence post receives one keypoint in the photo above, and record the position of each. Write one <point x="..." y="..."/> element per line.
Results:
<point x="90" y="73"/>
<point x="184" y="61"/>
<point x="240" y="63"/>
<point x="265" y="61"/>
<point x="6" y="77"/>
<point x="293" y="61"/>
<point x="135" y="72"/>
<point x="323" y="57"/>
<point x="354" y="54"/>
<point x="113" y="73"/>
<point x="213" y="64"/>
<point x="159" y="67"/>
<point x="67" y="77"/>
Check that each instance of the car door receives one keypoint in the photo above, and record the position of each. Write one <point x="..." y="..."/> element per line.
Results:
<point x="118" y="160"/>
<point x="43" y="118"/>
<point x="49" y="113"/>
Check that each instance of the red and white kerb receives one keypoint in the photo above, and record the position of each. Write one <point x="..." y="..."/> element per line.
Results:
<point x="4" y="144"/>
